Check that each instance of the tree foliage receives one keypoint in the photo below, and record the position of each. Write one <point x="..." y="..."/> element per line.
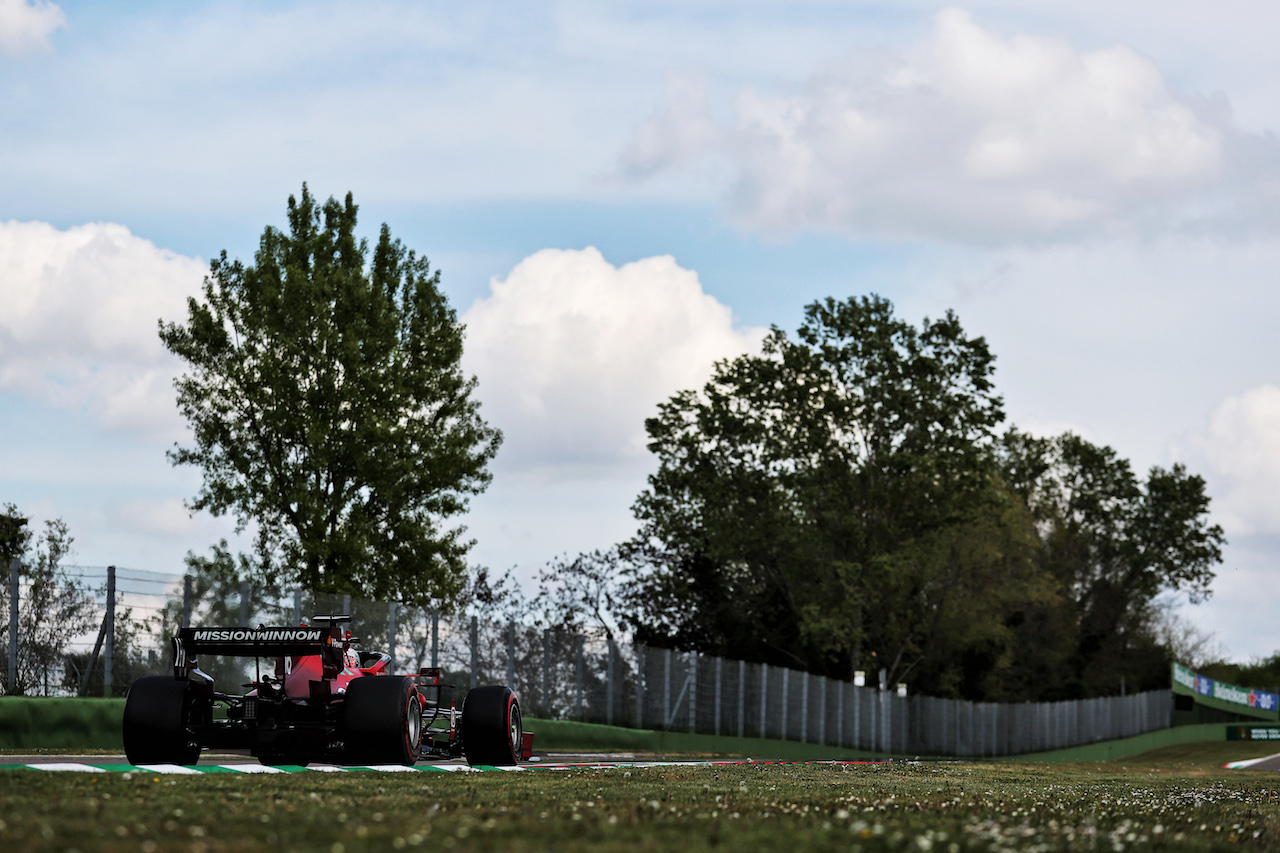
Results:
<point x="1112" y="544"/>
<point x="329" y="409"/>
<point x="843" y="501"/>
<point x="796" y="492"/>
<point x="54" y="607"/>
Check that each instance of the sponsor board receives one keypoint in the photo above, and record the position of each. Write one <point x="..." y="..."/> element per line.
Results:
<point x="278" y="640"/>
<point x="1253" y="732"/>
<point x="214" y="636"/>
<point x="1245" y="697"/>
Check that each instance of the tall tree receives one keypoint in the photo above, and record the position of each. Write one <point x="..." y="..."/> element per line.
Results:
<point x="55" y="607"/>
<point x="798" y="492"/>
<point x="1113" y="543"/>
<point x="329" y="409"/>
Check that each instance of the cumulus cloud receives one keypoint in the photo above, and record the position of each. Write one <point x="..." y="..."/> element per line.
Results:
<point x="573" y="353"/>
<point x="1239" y="448"/>
<point x="78" y="314"/>
<point x="26" y="27"/>
<point x="973" y="136"/>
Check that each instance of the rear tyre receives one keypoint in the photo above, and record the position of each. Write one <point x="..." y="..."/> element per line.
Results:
<point x="156" y="715"/>
<point x="491" y="727"/>
<point x="382" y="719"/>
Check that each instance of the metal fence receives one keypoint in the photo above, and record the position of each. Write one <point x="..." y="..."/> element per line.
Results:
<point x="711" y="695"/>
<point x="562" y="674"/>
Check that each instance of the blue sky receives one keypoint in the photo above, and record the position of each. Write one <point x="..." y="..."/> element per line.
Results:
<point x="617" y="194"/>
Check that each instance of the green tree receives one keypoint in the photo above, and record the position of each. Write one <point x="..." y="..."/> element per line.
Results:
<point x="54" y="607"/>
<point x="805" y="496"/>
<point x="1113" y="544"/>
<point x="329" y="410"/>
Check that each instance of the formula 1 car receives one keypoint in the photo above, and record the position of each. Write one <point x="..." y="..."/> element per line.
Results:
<point x="325" y="701"/>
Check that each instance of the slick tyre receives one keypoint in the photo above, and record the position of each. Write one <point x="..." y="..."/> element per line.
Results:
<point x="491" y="727"/>
<point x="382" y="720"/>
<point x="156" y="715"/>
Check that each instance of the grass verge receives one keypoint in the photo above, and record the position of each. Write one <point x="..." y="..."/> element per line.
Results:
<point x="1173" y="799"/>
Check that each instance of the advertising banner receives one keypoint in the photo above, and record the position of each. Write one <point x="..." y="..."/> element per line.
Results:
<point x="1245" y="700"/>
<point x="1253" y="733"/>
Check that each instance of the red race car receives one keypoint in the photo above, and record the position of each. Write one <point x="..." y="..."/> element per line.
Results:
<point x="325" y="701"/>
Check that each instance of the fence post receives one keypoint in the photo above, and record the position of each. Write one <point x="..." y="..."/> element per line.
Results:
<point x="640" y="685"/>
<point x="886" y="721"/>
<point x="786" y="684"/>
<point x="804" y="707"/>
<point x="346" y="604"/>
<point x="581" y="642"/>
<point x="391" y="637"/>
<point x="840" y="688"/>
<point x="297" y="607"/>
<point x="608" y="698"/>
<point x="666" y="687"/>
<point x="719" y="687"/>
<point x="14" y="572"/>
<point x="109" y="646"/>
<point x="742" y="697"/>
<point x="822" y="712"/>
<point x="475" y="653"/>
<point x="693" y="691"/>
<point x="186" y="602"/>
<point x="511" y="654"/>
<point x="764" y="696"/>
<point x="435" y="639"/>
<point x="244" y="604"/>
<point x="873" y="707"/>
<point x="857" y="717"/>
<point x="546" y="673"/>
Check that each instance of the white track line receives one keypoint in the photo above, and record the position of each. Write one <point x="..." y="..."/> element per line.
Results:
<point x="1241" y="765"/>
<point x="173" y="769"/>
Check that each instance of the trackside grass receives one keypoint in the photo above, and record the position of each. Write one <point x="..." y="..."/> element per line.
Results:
<point x="1176" y="799"/>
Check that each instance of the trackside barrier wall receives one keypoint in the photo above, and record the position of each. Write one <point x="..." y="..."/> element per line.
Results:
<point x="587" y="677"/>
<point x="759" y="701"/>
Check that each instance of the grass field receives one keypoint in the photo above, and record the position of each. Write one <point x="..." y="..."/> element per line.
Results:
<point x="1174" y="799"/>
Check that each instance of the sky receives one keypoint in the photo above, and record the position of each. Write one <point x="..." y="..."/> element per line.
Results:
<point x="618" y="194"/>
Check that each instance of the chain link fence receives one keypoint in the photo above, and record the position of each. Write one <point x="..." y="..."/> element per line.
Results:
<point x="587" y="676"/>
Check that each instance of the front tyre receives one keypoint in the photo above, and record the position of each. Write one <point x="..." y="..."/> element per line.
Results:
<point x="382" y="720"/>
<point x="491" y="727"/>
<point x="156" y="715"/>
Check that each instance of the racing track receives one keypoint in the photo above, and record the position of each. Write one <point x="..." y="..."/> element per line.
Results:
<point x="1270" y="762"/>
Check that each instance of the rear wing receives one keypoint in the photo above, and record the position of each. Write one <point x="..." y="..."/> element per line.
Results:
<point x="255" y="642"/>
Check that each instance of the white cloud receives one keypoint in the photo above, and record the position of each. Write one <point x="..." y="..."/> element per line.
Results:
<point x="167" y="517"/>
<point x="574" y="353"/>
<point x="78" y="314"/>
<point x="1240" y="449"/>
<point x="973" y="136"/>
<point x="26" y="27"/>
